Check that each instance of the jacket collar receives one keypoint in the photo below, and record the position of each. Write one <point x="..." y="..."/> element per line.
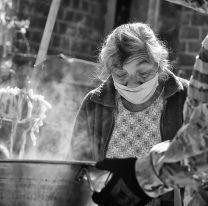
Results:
<point x="105" y="93"/>
<point x="172" y="84"/>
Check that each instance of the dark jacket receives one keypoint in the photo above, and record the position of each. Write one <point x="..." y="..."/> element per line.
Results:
<point x="95" y="119"/>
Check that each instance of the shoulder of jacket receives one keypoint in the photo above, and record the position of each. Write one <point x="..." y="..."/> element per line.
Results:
<point x="89" y="95"/>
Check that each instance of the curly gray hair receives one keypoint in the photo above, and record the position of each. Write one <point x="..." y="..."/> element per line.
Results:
<point x="129" y="41"/>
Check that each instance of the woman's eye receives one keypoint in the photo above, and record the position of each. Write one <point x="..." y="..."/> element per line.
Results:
<point x="121" y="75"/>
<point x="143" y="62"/>
<point x="143" y="74"/>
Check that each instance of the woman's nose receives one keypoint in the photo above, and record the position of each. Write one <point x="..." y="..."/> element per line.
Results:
<point x="133" y="82"/>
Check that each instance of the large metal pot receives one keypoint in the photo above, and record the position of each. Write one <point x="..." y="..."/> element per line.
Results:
<point x="49" y="183"/>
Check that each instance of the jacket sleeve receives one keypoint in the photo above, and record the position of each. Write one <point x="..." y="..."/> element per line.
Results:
<point x="194" y="130"/>
<point x="80" y="144"/>
<point x="198" y="88"/>
<point x="183" y="161"/>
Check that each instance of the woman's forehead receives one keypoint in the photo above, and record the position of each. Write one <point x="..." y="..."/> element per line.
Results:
<point x="136" y="64"/>
<point x="138" y="59"/>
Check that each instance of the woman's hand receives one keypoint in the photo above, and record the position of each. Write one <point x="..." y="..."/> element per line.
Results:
<point x="123" y="188"/>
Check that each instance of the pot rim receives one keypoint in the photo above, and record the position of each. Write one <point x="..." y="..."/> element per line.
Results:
<point x="87" y="163"/>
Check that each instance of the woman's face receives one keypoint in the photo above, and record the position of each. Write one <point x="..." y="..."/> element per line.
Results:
<point x="134" y="73"/>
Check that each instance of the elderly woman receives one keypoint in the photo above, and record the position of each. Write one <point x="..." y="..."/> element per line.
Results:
<point x="139" y="105"/>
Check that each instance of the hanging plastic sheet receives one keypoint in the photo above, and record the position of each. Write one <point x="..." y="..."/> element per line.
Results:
<point x="198" y="5"/>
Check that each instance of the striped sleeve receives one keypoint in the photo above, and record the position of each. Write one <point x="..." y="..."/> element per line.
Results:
<point x="198" y="89"/>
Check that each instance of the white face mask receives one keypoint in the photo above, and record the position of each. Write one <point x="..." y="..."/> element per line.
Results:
<point x="140" y="94"/>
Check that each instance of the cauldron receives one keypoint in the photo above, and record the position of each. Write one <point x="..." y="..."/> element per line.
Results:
<point x="49" y="183"/>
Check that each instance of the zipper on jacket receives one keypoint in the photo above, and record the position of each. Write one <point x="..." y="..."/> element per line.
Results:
<point x="161" y="119"/>
<point x="108" y="140"/>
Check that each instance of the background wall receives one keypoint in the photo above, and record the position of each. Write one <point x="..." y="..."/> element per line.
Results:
<point x="193" y="29"/>
<point x="78" y="29"/>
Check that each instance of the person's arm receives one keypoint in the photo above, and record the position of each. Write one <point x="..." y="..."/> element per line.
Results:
<point x="198" y="89"/>
<point x="136" y="181"/>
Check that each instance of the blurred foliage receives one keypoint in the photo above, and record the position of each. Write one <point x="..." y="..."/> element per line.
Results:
<point x="15" y="56"/>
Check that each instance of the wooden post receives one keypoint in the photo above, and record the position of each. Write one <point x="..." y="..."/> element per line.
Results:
<point x="45" y="42"/>
<point x="153" y="13"/>
<point x="110" y="16"/>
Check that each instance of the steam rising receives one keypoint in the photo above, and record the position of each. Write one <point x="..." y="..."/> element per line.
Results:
<point x="63" y="84"/>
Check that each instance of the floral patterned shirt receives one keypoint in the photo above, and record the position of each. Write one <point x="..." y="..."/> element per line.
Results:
<point x="135" y="133"/>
